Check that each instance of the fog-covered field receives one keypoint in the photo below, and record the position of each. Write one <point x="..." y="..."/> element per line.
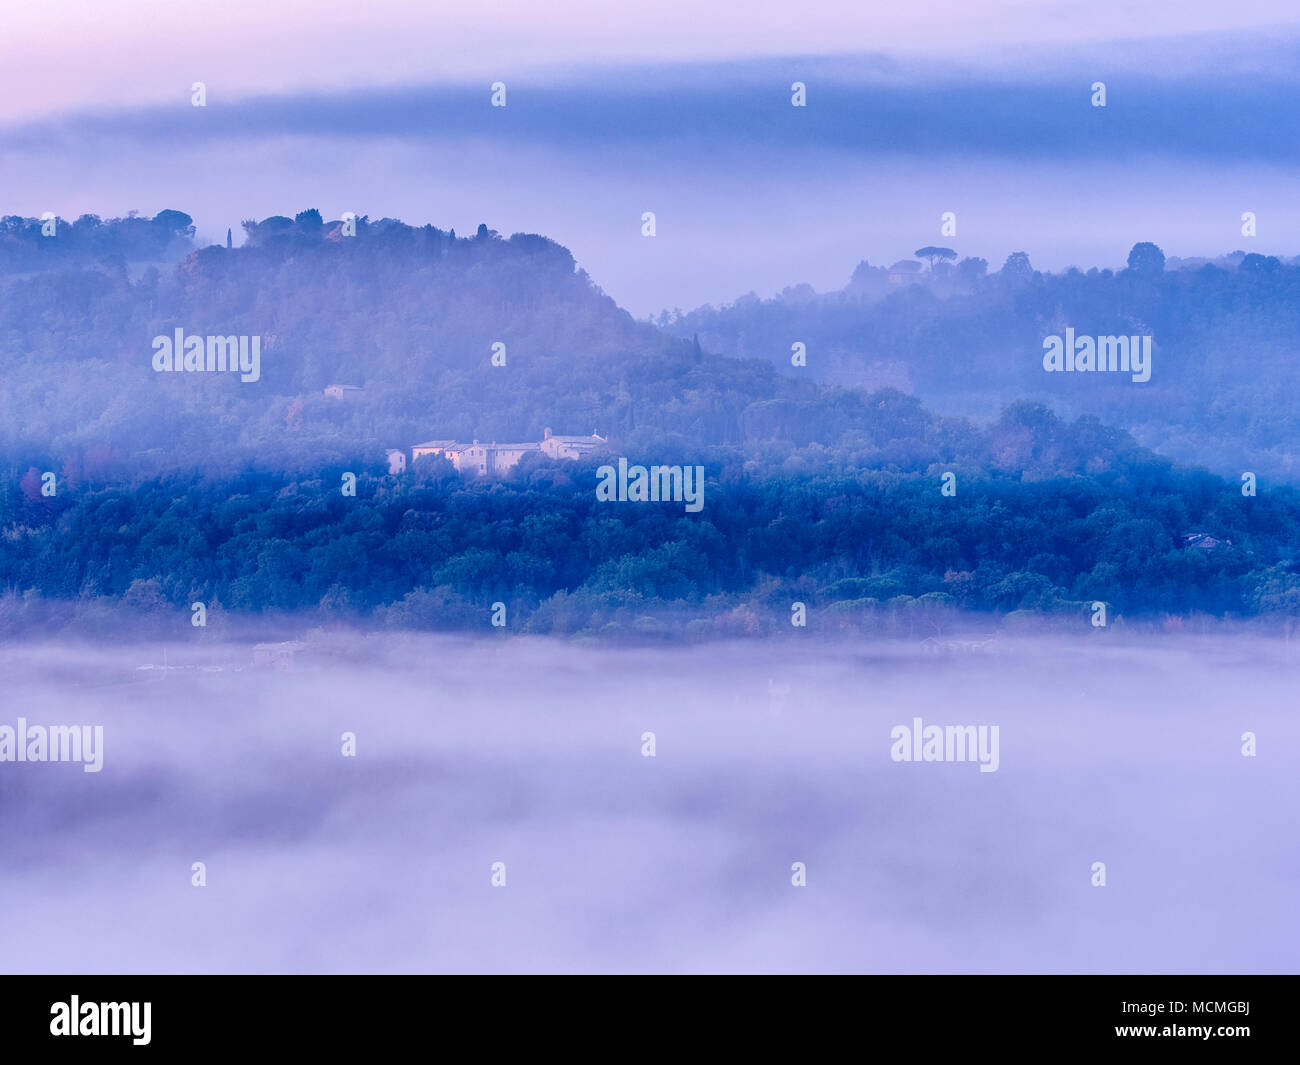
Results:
<point x="1119" y="750"/>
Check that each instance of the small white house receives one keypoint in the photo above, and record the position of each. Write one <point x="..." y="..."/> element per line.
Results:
<point x="343" y="391"/>
<point x="396" y="461"/>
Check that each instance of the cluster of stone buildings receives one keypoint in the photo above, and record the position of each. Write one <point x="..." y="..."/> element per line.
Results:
<point x="495" y="460"/>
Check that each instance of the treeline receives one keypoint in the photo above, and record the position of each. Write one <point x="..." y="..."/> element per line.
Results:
<point x="28" y="245"/>
<point x="411" y="314"/>
<point x="408" y="315"/>
<point x="1225" y="384"/>
<point x="431" y="550"/>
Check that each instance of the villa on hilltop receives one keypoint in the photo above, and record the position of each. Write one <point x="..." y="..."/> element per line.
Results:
<point x="495" y="460"/>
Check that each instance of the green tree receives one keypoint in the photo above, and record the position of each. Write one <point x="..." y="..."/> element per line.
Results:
<point x="1017" y="270"/>
<point x="309" y="221"/>
<point x="175" y="222"/>
<point x="1146" y="258"/>
<point x="933" y="254"/>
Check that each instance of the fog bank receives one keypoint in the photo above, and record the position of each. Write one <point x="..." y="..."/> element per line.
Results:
<point x="1125" y="751"/>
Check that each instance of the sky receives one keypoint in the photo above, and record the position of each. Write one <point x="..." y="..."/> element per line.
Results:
<point x="681" y="110"/>
<point x="72" y="54"/>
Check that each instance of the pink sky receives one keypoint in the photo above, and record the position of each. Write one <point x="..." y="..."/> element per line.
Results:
<point x="62" y="55"/>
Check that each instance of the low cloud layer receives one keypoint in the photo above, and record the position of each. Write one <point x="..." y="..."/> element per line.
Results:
<point x="528" y="752"/>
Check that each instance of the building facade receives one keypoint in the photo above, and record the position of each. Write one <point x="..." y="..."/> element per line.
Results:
<point x="496" y="460"/>
<point x="570" y="447"/>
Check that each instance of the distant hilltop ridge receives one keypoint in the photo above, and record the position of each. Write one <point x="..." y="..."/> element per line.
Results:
<point x="368" y="339"/>
<point x="171" y="233"/>
<point x="28" y="245"/>
<point x="495" y="460"/>
<point x="31" y="245"/>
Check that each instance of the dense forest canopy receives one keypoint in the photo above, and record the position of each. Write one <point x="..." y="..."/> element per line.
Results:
<point x="182" y="487"/>
<point x="410" y="315"/>
<point x="1224" y="383"/>
<point x="1045" y="517"/>
<point x="29" y="245"/>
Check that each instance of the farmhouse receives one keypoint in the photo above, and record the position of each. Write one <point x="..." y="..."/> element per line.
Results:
<point x="343" y="391"/>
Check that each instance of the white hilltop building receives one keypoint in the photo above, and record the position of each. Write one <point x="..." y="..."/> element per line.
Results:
<point x="570" y="447"/>
<point x="496" y="460"/>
